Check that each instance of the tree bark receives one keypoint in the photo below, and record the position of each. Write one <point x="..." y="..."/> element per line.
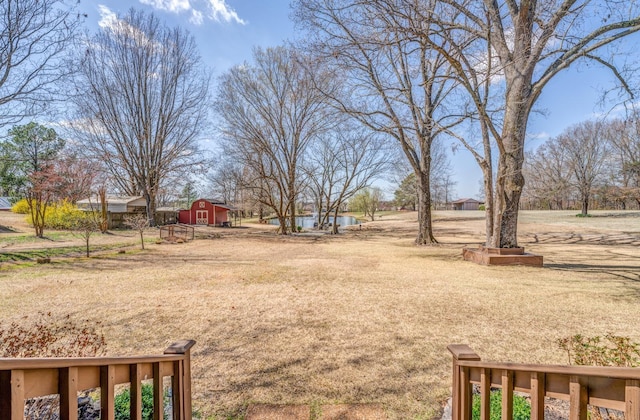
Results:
<point x="425" y="227"/>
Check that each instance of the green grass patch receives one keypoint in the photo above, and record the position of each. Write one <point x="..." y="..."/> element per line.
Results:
<point x="67" y="251"/>
<point x="521" y="407"/>
<point x="25" y="239"/>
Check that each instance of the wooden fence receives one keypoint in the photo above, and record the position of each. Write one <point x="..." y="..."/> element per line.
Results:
<point x="23" y="379"/>
<point x="608" y="387"/>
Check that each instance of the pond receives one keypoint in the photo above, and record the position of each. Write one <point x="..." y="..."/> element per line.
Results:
<point x="307" y="222"/>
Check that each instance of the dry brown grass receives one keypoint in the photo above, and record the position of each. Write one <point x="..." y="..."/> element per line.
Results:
<point x="362" y="317"/>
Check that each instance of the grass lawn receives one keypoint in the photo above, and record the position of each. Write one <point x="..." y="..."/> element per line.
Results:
<point x="360" y="317"/>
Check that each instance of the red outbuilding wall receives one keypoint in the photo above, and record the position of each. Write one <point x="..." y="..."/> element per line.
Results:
<point x="204" y="212"/>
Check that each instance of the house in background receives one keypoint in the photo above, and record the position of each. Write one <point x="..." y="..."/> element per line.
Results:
<point x="466" y="204"/>
<point x="5" y="204"/>
<point x="206" y="211"/>
<point x="118" y="206"/>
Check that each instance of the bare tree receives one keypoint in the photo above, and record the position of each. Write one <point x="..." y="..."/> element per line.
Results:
<point x="271" y="111"/>
<point x="341" y="164"/>
<point x="143" y="104"/>
<point x="397" y="83"/>
<point x="587" y="152"/>
<point x="624" y="139"/>
<point x="34" y="35"/>
<point x="85" y="225"/>
<point x="531" y="42"/>
<point x="138" y="222"/>
<point x="547" y="172"/>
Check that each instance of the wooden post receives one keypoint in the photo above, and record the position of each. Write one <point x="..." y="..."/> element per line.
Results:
<point x="184" y="347"/>
<point x="458" y="409"/>
<point x="538" y="391"/>
<point x="177" y="384"/>
<point x="577" y="399"/>
<point x="135" y="392"/>
<point x="12" y="394"/>
<point x="107" y="397"/>
<point x="507" y="394"/>
<point x="68" y="387"/>
<point x="158" y="391"/>
<point x="485" y="394"/>
<point x="632" y="399"/>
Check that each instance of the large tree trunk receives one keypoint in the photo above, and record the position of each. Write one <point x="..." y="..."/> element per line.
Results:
<point x="509" y="181"/>
<point x="151" y="209"/>
<point x="488" y="200"/>
<point x="425" y="227"/>
<point x="585" y="204"/>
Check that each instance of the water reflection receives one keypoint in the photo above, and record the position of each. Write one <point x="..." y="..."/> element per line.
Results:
<point x="308" y="222"/>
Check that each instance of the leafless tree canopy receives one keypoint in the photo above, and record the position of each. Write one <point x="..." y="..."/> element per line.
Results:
<point x="527" y="43"/>
<point x="341" y="163"/>
<point x="143" y="105"/>
<point x="33" y="38"/>
<point x="271" y="110"/>
<point x="398" y="83"/>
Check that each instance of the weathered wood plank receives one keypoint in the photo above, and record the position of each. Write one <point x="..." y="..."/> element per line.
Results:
<point x="177" y="384"/>
<point x="507" y="394"/>
<point x="68" y="388"/>
<point x="538" y="390"/>
<point x="158" y="408"/>
<point x="107" y="397"/>
<point x="632" y="399"/>
<point x="135" y="375"/>
<point x="485" y="394"/>
<point x="578" y="398"/>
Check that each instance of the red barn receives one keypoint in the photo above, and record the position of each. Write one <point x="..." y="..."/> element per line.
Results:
<point x="206" y="212"/>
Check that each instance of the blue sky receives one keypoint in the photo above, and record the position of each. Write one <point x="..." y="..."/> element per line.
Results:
<point x="227" y="30"/>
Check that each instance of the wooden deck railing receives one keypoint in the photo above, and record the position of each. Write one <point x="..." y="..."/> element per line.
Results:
<point x="608" y="387"/>
<point x="22" y="379"/>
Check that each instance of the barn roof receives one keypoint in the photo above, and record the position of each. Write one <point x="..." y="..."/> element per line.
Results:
<point x="218" y="203"/>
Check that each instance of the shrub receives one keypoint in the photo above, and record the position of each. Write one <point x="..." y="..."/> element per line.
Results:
<point x="610" y="350"/>
<point x="62" y="215"/>
<point x="521" y="407"/>
<point x="122" y="403"/>
<point x="482" y="207"/>
<point x="44" y="336"/>
<point x="21" y="207"/>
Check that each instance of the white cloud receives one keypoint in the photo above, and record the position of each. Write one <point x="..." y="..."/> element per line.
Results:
<point x="175" y="6"/>
<point x="220" y="10"/>
<point x="108" y="19"/>
<point x="217" y="10"/>
<point x="196" y="17"/>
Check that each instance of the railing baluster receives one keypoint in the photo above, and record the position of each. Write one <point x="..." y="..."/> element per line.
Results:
<point x="135" y="389"/>
<point x="107" y="397"/>
<point x="158" y="409"/>
<point x="577" y="399"/>
<point x="177" y="387"/>
<point x="16" y="397"/>
<point x="485" y="394"/>
<point x="632" y="399"/>
<point x="68" y="387"/>
<point x="538" y="391"/>
<point x="466" y="394"/>
<point x="507" y="394"/>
